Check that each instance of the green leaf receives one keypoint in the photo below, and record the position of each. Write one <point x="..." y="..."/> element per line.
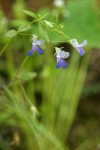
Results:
<point x="42" y="16"/>
<point x="27" y="76"/>
<point x="11" y="33"/>
<point x="49" y="24"/>
<point x="43" y="32"/>
<point x="19" y="22"/>
<point x="24" y="28"/>
<point x="30" y="13"/>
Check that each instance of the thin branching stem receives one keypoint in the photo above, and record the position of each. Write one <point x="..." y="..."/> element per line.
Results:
<point x="4" y="48"/>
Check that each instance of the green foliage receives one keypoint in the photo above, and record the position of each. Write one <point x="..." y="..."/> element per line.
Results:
<point x="30" y="13"/>
<point x="11" y="33"/>
<point x="35" y="97"/>
<point x="23" y="28"/>
<point x="43" y="32"/>
<point x="27" y="76"/>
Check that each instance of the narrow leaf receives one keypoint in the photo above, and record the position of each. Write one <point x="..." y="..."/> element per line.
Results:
<point x="11" y="33"/>
<point x="27" y="76"/>
<point x="43" y="32"/>
<point x="24" y="28"/>
<point x="30" y="13"/>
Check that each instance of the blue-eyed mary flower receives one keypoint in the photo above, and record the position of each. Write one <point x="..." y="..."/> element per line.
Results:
<point x="61" y="55"/>
<point x="79" y="47"/>
<point x="36" y="46"/>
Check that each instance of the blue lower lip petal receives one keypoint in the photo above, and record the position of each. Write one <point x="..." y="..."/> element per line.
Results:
<point x="39" y="50"/>
<point x="81" y="50"/>
<point x="61" y="63"/>
<point x="30" y="52"/>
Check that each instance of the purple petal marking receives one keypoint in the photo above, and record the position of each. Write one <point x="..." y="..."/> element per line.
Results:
<point x="39" y="50"/>
<point x="61" y="63"/>
<point x="30" y="52"/>
<point x="81" y="51"/>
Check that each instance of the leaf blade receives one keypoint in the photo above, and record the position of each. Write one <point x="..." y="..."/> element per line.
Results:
<point x="30" y="13"/>
<point x="11" y="33"/>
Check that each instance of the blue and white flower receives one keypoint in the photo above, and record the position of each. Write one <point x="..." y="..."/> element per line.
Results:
<point x="79" y="47"/>
<point x="61" y="55"/>
<point x="36" y="46"/>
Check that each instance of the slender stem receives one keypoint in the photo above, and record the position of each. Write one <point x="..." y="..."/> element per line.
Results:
<point x="55" y="30"/>
<point x="63" y="34"/>
<point x="4" y="48"/>
<point x="52" y="41"/>
<point x="36" y="20"/>
<point x="23" y="63"/>
<point x="24" y="33"/>
<point x="15" y="81"/>
<point x="25" y="95"/>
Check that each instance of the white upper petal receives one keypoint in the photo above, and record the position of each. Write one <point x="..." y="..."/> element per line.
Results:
<point x="75" y="43"/>
<point x="64" y="54"/>
<point x="84" y="43"/>
<point x="61" y="54"/>
<point x="37" y="42"/>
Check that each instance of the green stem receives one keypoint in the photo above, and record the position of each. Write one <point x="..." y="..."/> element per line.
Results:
<point x="36" y="20"/>
<point x="52" y="41"/>
<point x="25" y="95"/>
<point x="61" y="33"/>
<point x="15" y="81"/>
<point x="4" y="48"/>
<point x="23" y="63"/>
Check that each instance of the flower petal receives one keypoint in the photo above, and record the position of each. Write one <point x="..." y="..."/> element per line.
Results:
<point x="30" y="52"/>
<point x="39" y="50"/>
<point x="40" y="42"/>
<point x="58" y="50"/>
<point x="74" y="43"/>
<point x="61" y="63"/>
<point x="84" y="43"/>
<point x="64" y="54"/>
<point x="37" y="42"/>
<point x="80" y="50"/>
<point x="61" y="54"/>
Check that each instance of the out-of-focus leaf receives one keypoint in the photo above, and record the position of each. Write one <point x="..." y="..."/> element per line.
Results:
<point x="45" y="72"/>
<point x="11" y="33"/>
<point x="18" y="22"/>
<point x="29" y="13"/>
<point x="42" y="16"/>
<point x="27" y="76"/>
<point x="24" y="28"/>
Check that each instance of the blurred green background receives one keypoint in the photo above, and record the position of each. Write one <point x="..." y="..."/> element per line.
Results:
<point x="42" y="108"/>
